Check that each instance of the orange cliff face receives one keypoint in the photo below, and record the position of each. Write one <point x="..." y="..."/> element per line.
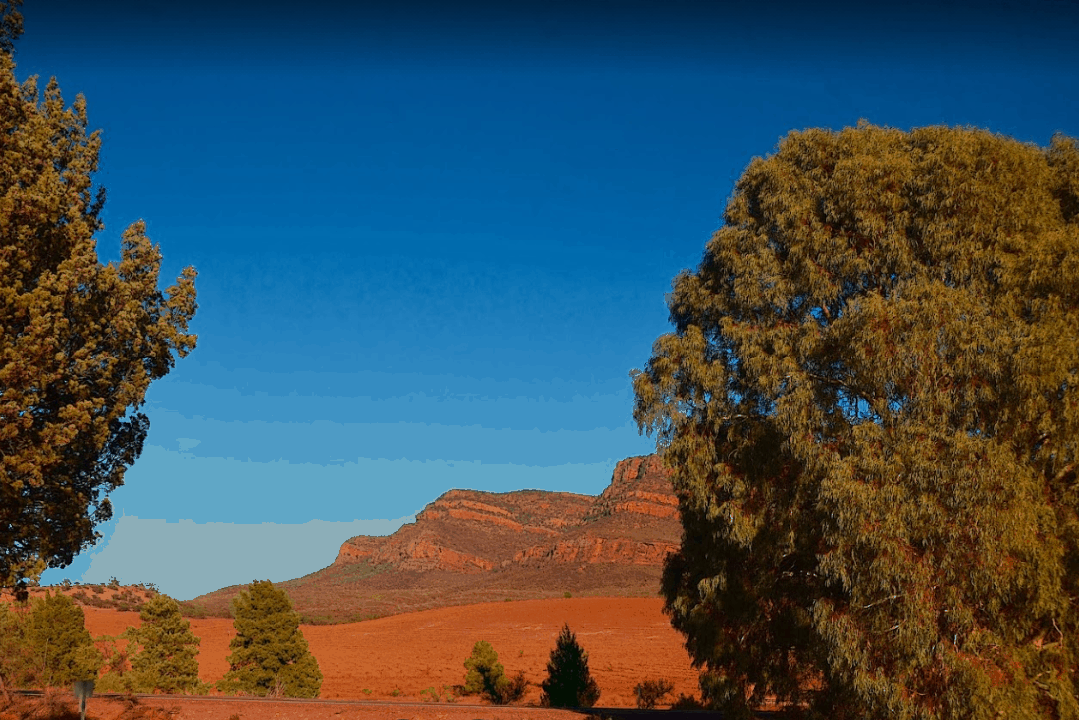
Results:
<point x="470" y="531"/>
<point x="470" y="546"/>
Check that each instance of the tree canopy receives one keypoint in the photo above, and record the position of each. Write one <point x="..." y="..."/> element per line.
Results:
<point x="80" y="342"/>
<point x="870" y="402"/>
<point x="269" y="655"/>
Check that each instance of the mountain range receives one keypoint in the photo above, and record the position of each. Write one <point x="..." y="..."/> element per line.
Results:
<point x="470" y="546"/>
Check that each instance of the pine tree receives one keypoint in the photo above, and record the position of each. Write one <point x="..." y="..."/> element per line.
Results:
<point x="166" y="658"/>
<point x="59" y="642"/>
<point x="17" y="668"/>
<point x="80" y="341"/>
<point x="269" y="653"/>
<point x="569" y="682"/>
<point x="870" y="403"/>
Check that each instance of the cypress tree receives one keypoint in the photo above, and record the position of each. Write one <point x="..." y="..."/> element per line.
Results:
<point x="569" y="682"/>
<point x="59" y="642"/>
<point x="870" y="402"/>
<point x="269" y="653"/>
<point x="167" y="656"/>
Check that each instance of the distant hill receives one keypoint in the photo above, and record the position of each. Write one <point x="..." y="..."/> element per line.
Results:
<point x="470" y="546"/>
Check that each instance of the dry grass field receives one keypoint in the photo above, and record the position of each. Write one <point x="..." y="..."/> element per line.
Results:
<point x="419" y="656"/>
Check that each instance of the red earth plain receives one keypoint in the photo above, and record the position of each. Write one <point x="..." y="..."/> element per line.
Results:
<point x="415" y="659"/>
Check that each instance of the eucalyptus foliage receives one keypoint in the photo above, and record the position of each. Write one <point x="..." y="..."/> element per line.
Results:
<point x="870" y="402"/>
<point x="80" y="342"/>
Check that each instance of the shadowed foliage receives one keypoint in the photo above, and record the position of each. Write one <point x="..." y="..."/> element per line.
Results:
<point x="269" y="653"/>
<point x="80" y="342"/>
<point x="569" y="682"/>
<point x="870" y="403"/>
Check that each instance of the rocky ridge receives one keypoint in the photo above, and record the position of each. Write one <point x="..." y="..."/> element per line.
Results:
<point x="473" y="546"/>
<point x="469" y="531"/>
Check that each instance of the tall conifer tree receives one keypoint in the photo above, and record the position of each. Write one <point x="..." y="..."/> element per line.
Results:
<point x="167" y="653"/>
<point x="59" y="642"/>
<point x="80" y="342"/>
<point x="870" y="402"/>
<point x="269" y="653"/>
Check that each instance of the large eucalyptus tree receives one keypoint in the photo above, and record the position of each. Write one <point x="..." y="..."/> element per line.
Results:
<point x="870" y="401"/>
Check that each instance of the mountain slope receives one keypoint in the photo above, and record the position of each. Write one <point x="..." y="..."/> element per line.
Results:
<point x="470" y="546"/>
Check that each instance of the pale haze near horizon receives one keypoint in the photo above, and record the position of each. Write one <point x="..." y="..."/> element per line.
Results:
<point x="190" y="559"/>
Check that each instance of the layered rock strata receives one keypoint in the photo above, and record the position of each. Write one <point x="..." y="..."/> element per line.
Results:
<point x="634" y="521"/>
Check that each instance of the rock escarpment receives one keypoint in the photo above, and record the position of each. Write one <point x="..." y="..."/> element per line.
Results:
<point x="633" y="522"/>
<point x="470" y="546"/>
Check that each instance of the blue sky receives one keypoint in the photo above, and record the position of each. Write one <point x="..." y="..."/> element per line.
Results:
<point x="433" y="240"/>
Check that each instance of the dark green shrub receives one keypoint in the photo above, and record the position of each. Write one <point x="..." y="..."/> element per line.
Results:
<point x="569" y="682"/>
<point x="687" y="702"/>
<point x="650" y="691"/>
<point x="512" y="690"/>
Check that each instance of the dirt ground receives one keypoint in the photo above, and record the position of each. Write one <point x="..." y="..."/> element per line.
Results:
<point x="62" y="706"/>
<point x="420" y="656"/>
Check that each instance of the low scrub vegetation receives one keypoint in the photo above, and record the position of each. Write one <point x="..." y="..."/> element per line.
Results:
<point x="442" y="694"/>
<point x="486" y="676"/>
<point x="649" y="692"/>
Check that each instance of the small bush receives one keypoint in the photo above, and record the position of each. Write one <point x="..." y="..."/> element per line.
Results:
<point x="513" y="690"/>
<point x="650" y="691"/>
<point x="487" y="677"/>
<point x="567" y="594"/>
<point x="687" y="702"/>
<point x="315" y="619"/>
<point x="483" y="671"/>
